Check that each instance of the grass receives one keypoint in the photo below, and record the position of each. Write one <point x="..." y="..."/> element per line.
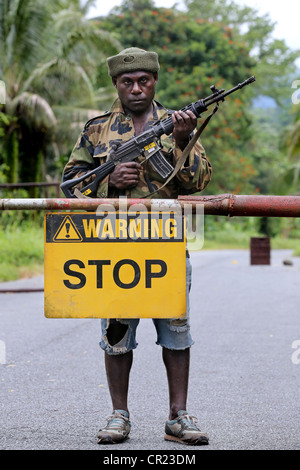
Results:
<point x="22" y="247"/>
<point x="242" y="242"/>
<point x="21" y="252"/>
<point x="232" y="235"/>
<point x="277" y="243"/>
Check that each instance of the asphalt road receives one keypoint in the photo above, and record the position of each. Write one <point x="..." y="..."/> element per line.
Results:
<point x="245" y="370"/>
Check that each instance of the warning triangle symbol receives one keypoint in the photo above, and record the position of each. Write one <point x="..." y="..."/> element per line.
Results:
<point x="67" y="232"/>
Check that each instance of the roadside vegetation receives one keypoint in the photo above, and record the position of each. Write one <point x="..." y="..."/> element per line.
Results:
<point x="22" y="252"/>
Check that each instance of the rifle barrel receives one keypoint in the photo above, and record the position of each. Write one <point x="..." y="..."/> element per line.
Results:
<point x="220" y="95"/>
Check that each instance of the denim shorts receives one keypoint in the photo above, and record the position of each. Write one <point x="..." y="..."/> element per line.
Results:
<point x="171" y="333"/>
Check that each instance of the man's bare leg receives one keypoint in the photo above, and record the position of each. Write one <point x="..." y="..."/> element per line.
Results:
<point x="181" y="426"/>
<point x="177" y="365"/>
<point x="117" y="372"/>
<point x="118" y="368"/>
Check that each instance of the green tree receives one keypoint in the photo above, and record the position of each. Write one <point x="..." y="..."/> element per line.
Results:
<point x="277" y="169"/>
<point x="289" y="176"/>
<point x="275" y="62"/>
<point x="49" y="60"/>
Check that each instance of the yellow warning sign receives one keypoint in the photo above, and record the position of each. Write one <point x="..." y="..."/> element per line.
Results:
<point x="67" y="232"/>
<point x="126" y="266"/>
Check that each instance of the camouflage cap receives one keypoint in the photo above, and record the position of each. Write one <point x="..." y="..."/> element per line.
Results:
<point x="131" y="60"/>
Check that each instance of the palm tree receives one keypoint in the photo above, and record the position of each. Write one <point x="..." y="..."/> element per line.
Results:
<point x="50" y="55"/>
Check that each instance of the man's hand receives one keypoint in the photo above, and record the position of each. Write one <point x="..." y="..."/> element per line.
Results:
<point x="125" y="175"/>
<point x="184" y="124"/>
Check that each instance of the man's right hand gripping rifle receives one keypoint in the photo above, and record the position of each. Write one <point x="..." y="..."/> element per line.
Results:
<point x="126" y="174"/>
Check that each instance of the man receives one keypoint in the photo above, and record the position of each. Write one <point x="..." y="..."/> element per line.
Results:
<point x="134" y="74"/>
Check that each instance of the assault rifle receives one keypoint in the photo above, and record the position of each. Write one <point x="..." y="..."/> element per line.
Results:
<point x="146" y="144"/>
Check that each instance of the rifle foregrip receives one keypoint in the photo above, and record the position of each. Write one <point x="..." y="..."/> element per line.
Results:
<point x="101" y="172"/>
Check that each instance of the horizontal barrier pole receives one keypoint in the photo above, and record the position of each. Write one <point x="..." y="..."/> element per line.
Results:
<point x="248" y="205"/>
<point x="13" y="290"/>
<point x="223" y="204"/>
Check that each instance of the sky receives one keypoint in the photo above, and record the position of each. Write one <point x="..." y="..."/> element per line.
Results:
<point x="285" y="14"/>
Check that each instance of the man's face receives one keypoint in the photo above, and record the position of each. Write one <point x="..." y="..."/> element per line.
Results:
<point x="136" y="90"/>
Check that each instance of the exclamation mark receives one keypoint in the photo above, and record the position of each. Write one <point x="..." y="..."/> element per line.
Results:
<point x="68" y="229"/>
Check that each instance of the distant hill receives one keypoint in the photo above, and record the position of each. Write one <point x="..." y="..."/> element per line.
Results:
<point x="264" y="102"/>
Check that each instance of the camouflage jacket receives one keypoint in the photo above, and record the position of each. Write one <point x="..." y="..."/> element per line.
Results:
<point x="94" y="144"/>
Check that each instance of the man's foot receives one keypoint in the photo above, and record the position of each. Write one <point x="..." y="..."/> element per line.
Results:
<point x="183" y="429"/>
<point x="117" y="428"/>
